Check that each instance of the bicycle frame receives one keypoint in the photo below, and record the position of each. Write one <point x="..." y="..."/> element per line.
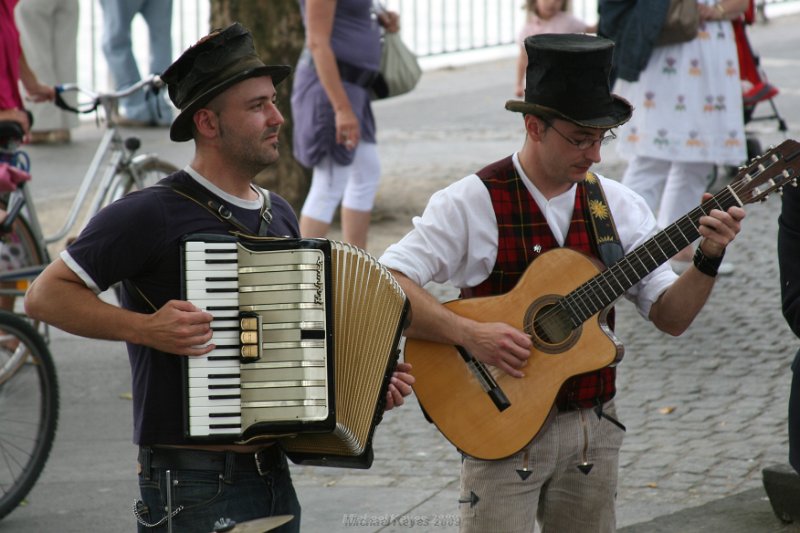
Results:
<point x="122" y="169"/>
<point x="111" y="143"/>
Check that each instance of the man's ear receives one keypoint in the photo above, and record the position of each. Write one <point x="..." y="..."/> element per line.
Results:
<point x="206" y="123"/>
<point x="534" y="126"/>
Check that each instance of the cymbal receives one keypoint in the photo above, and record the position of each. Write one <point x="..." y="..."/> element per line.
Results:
<point x="259" y="525"/>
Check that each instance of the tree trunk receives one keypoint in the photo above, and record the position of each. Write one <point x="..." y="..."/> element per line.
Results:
<point x="278" y="34"/>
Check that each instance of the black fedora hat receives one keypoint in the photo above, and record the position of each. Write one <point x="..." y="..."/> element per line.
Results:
<point x="568" y="77"/>
<point x="218" y="61"/>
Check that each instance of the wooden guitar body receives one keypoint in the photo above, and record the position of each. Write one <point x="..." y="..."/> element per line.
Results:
<point x="451" y="393"/>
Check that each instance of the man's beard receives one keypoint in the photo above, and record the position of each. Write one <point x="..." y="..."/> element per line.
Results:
<point x="252" y="154"/>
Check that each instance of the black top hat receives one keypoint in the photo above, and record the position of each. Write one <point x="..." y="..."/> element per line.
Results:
<point x="217" y="61"/>
<point x="568" y="77"/>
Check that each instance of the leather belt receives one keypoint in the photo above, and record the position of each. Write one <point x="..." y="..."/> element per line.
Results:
<point x="263" y="461"/>
<point x="347" y="71"/>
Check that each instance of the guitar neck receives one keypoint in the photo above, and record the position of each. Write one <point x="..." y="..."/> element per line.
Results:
<point x="606" y="287"/>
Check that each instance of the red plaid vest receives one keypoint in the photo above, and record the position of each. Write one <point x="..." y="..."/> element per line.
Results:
<point x="521" y="227"/>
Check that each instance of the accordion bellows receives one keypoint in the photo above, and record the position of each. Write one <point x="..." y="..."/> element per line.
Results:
<point x="306" y="334"/>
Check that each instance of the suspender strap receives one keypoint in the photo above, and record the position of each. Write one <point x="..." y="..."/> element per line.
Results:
<point x="602" y="221"/>
<point x="200" y="196"/>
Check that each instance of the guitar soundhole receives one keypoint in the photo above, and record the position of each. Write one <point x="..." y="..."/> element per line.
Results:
<point x="550" y="326"/>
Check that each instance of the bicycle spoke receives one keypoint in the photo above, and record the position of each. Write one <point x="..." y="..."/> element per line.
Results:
<point x="28" y="409"/>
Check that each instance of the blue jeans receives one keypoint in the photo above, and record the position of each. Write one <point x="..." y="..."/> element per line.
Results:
<point x="204" y="497"/>
<point x="117" y="48"/>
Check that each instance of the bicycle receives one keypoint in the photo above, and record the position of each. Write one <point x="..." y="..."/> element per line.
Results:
<point x="28" y="408"/>
<point x="28" y="382"/>
<point x="124" y="171"/>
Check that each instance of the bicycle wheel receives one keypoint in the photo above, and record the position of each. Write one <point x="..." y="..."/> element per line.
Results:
<point x="28" y="408"/>
<point x="144" y="170"/>
<point x="19" y="248"/>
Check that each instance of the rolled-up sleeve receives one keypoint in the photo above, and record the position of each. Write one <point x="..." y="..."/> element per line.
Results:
<point x="454" y="240"/>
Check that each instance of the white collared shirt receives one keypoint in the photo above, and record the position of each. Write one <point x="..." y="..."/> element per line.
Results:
<point x="455" y="240"/>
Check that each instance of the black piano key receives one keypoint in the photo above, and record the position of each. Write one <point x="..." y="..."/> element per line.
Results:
<point x="224" y="396"/>
<point x="312" y="334"/>
<point x="223" y="357"/>
<point x="222" y="376"/>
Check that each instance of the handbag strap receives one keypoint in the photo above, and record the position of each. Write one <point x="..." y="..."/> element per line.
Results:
<point x="602" y="221"/>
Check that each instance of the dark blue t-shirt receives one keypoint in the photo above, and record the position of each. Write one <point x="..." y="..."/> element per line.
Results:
<point x="138" y="238"/>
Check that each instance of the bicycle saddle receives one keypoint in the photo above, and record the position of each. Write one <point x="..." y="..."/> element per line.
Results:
<point x="10" y="130"/>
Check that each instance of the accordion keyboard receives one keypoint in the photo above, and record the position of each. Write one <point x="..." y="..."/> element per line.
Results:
<point x="230" y="392"/>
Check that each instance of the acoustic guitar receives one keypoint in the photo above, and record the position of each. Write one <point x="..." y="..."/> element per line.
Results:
<point x="561" y="301"/>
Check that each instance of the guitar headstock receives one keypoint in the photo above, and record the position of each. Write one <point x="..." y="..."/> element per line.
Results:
<point x="768" y="172"/>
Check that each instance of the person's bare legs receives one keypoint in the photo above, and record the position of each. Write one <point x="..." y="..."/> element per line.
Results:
<point x="355" y="225"/>
<point x="313" y="228"/>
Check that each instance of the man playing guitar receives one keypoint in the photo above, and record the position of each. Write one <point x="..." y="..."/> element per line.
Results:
<point x="481" y="234"/>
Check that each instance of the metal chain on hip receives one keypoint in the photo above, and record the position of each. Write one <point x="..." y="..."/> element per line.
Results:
<point x="160" y="522"/>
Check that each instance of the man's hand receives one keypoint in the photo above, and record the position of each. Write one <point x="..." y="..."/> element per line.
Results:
<point x="499" y="345"/>
<point x="399" y="386"/>
<point x="719" y="228"/>
<point x="179" y="328"/>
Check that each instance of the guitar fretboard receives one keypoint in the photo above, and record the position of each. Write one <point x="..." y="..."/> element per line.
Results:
<point x="605" y="288"/>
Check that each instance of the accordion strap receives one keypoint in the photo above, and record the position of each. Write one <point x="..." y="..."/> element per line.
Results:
<point x="200" y="196"/>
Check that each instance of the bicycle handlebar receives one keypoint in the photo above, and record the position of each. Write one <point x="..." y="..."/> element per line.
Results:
<point x="153" y="82"/>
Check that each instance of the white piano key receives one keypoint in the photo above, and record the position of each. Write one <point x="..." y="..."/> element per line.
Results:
<point x="199" y="275"/>
<point x="202" y="367"/>
<point x="204" y="430"/>
<point x="207" y="382"/>
<point x="217" y="420"/>
<point x="226" y="404"/>
<point x="198" y="256"/>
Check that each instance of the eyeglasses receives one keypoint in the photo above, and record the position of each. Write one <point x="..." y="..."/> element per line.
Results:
<point x="585" y="144"/>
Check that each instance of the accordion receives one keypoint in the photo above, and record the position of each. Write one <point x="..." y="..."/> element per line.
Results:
<point x="306" y="335"/>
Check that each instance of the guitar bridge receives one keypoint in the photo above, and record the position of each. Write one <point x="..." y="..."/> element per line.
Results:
<point x="485" y="378"/>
